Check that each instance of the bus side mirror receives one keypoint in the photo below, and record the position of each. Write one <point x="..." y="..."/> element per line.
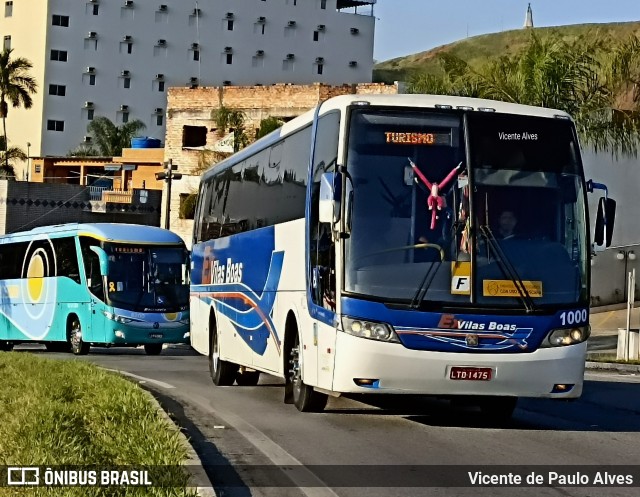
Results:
<point x="103" y="258"/>
<point x="604" y="223"/>
<point x="330" y="196"/>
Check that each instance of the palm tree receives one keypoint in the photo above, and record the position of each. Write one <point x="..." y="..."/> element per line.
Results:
<point x="111" y="139"/>
<point x="16" y="87"/>
<point x="6" y="158"/>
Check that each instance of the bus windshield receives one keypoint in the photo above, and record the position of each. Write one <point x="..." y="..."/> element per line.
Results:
<point x="146" y="279"/>
<point x="424" y="222"/>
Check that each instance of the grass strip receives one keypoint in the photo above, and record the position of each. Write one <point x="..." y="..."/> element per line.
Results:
<point x="56" y="413"/>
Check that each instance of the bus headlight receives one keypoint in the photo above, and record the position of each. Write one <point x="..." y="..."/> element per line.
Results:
<point x="368" y="329"/>
<point x="567" y="336"/>
<point x="116" y="318"/>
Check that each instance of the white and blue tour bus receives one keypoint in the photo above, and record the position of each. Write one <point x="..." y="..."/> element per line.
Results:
<point x="72" y="286"/>
<point x="402" y="244"/>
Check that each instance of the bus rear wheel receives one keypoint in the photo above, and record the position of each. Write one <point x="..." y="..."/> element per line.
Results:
<point x="153" y="348"/>
<point x="78" y="346"/>
<point x="6" y="346"/>
<point x="223" y="373"/>
<point x="305" y="398"/>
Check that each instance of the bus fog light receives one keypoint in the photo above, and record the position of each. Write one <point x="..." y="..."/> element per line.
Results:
<point x="119" y="334"/>
<point x="566" y="336"/>
<point x="186" y="335"/>
<point x="368" y="329"/>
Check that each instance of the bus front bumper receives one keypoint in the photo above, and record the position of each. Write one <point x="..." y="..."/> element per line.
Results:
<point x="122" y="334"/>
<point x="392" y="368"/>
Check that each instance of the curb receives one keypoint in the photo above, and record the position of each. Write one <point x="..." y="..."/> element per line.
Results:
<point x="193" y="463"/>
<point x="613" y="366"/>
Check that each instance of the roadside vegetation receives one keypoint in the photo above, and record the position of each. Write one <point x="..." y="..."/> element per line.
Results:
<point x="593" y="74"/>
<point x="73" y="413"/>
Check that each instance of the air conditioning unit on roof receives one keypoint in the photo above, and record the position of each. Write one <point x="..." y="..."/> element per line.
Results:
<point x="291" y="24"/>
<point x="228" y="49"/>
<point x="290" y="56"/>
<point x="125" y="73"/>
<point x="259" y="53"/>
<point x="126" y="38"/>
<point x="128" y="3"/>
<point x="321" y="27"/>
<point x="261" y="20"/>
<point x="159" y="76"/>
<point x="92" y="34"/>
<point x="319" y="60"/>
<point x="86" y="139"/>
<point x="195" y="46"/>
<point x="91" y="69"/>
<point x="354" y="31"/>
<point x="162" y="43"/>
<point x="229" y="15"/>
<point x="88" y="105"/>
<point x="353" y="63"/>
<point x="162" y="8"/>
<point x="159" y="110"/>
<point x="124" y="107"/>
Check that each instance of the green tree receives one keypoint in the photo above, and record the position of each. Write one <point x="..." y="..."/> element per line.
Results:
<point x="7" y="157"/>
<point x="16" y="88"/>
<point x="111" y="139"/>
<point x="83" y="151"/>
<point x="233" y="120"/>
<point x="268" y="125"/>
<point x="553" y="73"/>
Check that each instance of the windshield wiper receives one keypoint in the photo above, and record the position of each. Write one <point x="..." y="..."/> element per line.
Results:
<point x="507" y="268"/>
<point x="425" y="283"/>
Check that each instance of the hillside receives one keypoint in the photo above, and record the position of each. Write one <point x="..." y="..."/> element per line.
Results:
<point x="478" y="49"/>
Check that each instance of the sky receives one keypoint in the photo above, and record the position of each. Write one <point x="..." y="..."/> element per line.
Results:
<point x="405" y="27"/>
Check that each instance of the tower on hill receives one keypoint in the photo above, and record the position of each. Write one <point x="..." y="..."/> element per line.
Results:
<point x="528" y="20"/>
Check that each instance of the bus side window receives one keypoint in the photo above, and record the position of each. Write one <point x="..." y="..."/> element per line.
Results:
<point x="67" y="258"/>
<point x="92" y="268"/>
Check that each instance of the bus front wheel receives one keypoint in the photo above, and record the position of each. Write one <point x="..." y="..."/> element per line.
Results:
<point x="223" y="373"/>
<point x="153" y="348"/>
<point x="305" y="398"/>
<point x="78" y="346"/>
<point x="6" y="346"/>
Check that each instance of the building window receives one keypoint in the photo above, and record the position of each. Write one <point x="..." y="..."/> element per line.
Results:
<point x="60" y="21"/>
<point x="58" y="90"/>
<point x="90" y="114"/>
<point x="316" y="36"/>
<point x="126" y="82"/>
<point x="320" y="68"/>
<point x="160" y="85"/>
<point x="159" y="119"/>
<point x="92" y="79"/>
<point x="194" y="136"/>
<point x="59" y="55"/>
<point x="229" y="58"/>
<point x="129" y="47"/>
<point x="196" y="55"/>
<point x="96" y="9"/>
<point x="7" y="42"/>
<point x="55" y="125"/>
<point x="125" y="117"/>
<point x="230" y="25"/>
<point x="8" y="9"/>
<point x="323" y="4"/>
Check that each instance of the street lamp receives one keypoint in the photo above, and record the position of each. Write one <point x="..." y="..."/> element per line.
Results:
<point x="168" y="176"/>
<point x="28" y="160"/>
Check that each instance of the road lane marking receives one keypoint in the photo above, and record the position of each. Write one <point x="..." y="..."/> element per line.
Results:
<point x="142" y="379"/>
<point x="274" y="452"/>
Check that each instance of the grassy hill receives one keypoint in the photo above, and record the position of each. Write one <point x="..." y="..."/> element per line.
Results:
<point x="478" y="49"/>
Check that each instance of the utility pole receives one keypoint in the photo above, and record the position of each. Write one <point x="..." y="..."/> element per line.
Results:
<point x="168" y="176"/>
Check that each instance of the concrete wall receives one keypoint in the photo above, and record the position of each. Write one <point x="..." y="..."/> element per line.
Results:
<point x="24" y="206"/>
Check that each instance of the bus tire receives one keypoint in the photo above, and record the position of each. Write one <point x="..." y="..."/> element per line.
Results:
<point x="6" y="346"/>
<point x="223" y="373"/>
<point x="497" y="409"/>
<point x="305" y="398"/>
<point x="74" y="333"/>
<point x="248" y="378"/>
<point x="153" y="348"/>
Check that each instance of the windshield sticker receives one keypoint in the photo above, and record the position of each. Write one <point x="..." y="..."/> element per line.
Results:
<point x="418" y="138"/>
<point x="507" y="288"/>
<point x="525" y="136"/>
<point x="461" y="278"/>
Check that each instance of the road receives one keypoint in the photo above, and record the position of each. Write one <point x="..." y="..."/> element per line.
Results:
<point x="248" y="426"/>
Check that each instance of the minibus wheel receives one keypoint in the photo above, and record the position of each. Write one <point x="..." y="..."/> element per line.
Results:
<point x="74" y="334"/>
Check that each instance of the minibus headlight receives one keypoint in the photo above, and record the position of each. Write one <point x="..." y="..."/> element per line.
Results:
<point x="567" y="336"/>
<point x="369" y="329"/>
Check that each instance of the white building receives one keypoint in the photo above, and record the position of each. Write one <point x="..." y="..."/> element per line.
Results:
<point x="116" y="58"/>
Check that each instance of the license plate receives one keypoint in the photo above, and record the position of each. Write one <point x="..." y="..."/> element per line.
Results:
<point x="468" y="373"/>
<point x="155" y="335"/>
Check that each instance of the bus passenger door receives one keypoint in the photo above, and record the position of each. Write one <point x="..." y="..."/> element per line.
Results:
<point x="95" y="284"/>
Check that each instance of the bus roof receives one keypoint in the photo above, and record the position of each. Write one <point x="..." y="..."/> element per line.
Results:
<point x="393" y="100"/>
<point x="113" y="232"/>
